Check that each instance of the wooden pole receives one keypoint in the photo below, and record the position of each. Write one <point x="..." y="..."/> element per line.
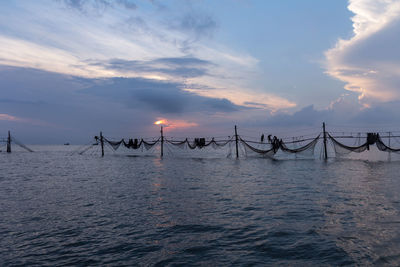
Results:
<point x="102" y="144"/>
<point x="9" y="143"/>
<point x="325" y="150"/>
<point x="389" y="150"/>
<point x="236" y="140"/>
<point x="162" y="142"/>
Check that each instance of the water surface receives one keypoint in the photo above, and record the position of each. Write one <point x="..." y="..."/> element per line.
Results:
<point x="58" y="209"/>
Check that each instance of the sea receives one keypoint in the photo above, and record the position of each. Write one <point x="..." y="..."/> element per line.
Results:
<point x="59" y="208"/>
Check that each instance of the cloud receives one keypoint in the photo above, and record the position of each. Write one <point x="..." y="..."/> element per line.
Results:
<point x="174" y="68"/>
<point x="98" y="6"/>
<point x="128" y="4"/>
<point x="7" y="117"/>
<point x="197" y="24"/>
<point x="369" y="62"/>
<point x="343" y="113"/>
<point x="308" y="116"/>
<point x="163" y="97"/>
<point x="145" y="48"/>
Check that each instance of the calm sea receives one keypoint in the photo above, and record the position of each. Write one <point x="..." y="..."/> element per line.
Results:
<point x="57" y="209"/>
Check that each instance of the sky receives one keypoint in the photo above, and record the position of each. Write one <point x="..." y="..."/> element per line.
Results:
<point x="72" y="68"/>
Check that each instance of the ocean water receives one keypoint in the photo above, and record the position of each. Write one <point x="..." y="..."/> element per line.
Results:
<point x="60" y="209"/>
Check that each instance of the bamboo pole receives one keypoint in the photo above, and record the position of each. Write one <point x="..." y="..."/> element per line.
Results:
<point x="102" y="144"/>
<point x="162" y="142"/>
<point x="236" y="140"/>
<point x="9" y="142"/>
<point x="390" y="155"/>
<point x="325" y="150"/>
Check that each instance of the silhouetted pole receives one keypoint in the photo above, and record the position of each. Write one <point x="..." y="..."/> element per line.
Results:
<point x="236" y="140"/>
<point x="9" y="143"/>
<point x="389" y="150"/>
<point x="162" y="142"/>
<point x="325" y="150"/>
<point x="102" y="144"/>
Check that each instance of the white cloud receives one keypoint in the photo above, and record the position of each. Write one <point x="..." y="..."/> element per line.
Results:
<point x="369" y="62"/>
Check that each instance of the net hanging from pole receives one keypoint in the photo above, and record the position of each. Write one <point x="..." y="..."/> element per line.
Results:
<point x="203" y="147"/>
<point x="20" y="144"/>
<point x="270" y="149"/>
<point x="383" y="147"/>
<point x="306" y="150"/>
<point x="342" y="149"/>
<point x="132" y="143"/>
<point x="258" y="148"/>
<point x="199" y="143"/>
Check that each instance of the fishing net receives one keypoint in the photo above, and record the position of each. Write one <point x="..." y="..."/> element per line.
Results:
<point x="342" y="149"/>
<point x="133" y="146"/>
<point x="258" y="149"/>
<point x="199" y="147"/>
<point x="304" y="150"/>
<point x="289" y="147"/>
<point x="383" y="147"/>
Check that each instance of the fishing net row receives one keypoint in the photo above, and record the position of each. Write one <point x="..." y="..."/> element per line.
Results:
<point x="132" y="143"/>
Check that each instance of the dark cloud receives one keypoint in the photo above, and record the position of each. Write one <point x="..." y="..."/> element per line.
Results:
<point x="181" y="67"/>
<point x="307" y="116"/>
<point x="127" y="4"/>
<point x="255" y="104"/>
<point x="184" y="61"/>
<point x="197" y="24"/>
<point x="163" y="97"/>
<point x="98" y="6"/>
<point x="384" y="115"/>
<point x="78" y="4"/>
<point x="88" y="6"/>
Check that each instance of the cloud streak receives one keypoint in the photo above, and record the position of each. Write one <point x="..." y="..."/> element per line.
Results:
<point x="7" y="117"/>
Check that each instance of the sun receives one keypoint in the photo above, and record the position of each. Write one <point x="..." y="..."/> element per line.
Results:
<point x="159" y="122"/>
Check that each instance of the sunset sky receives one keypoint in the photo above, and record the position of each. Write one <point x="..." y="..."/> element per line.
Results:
<point x="69" y="69"/>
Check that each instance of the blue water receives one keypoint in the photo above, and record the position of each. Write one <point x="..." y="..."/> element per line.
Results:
<point x="58" y="209"/>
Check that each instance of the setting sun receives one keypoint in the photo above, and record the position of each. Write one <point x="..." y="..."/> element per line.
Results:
<point x="159" y="122"/>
